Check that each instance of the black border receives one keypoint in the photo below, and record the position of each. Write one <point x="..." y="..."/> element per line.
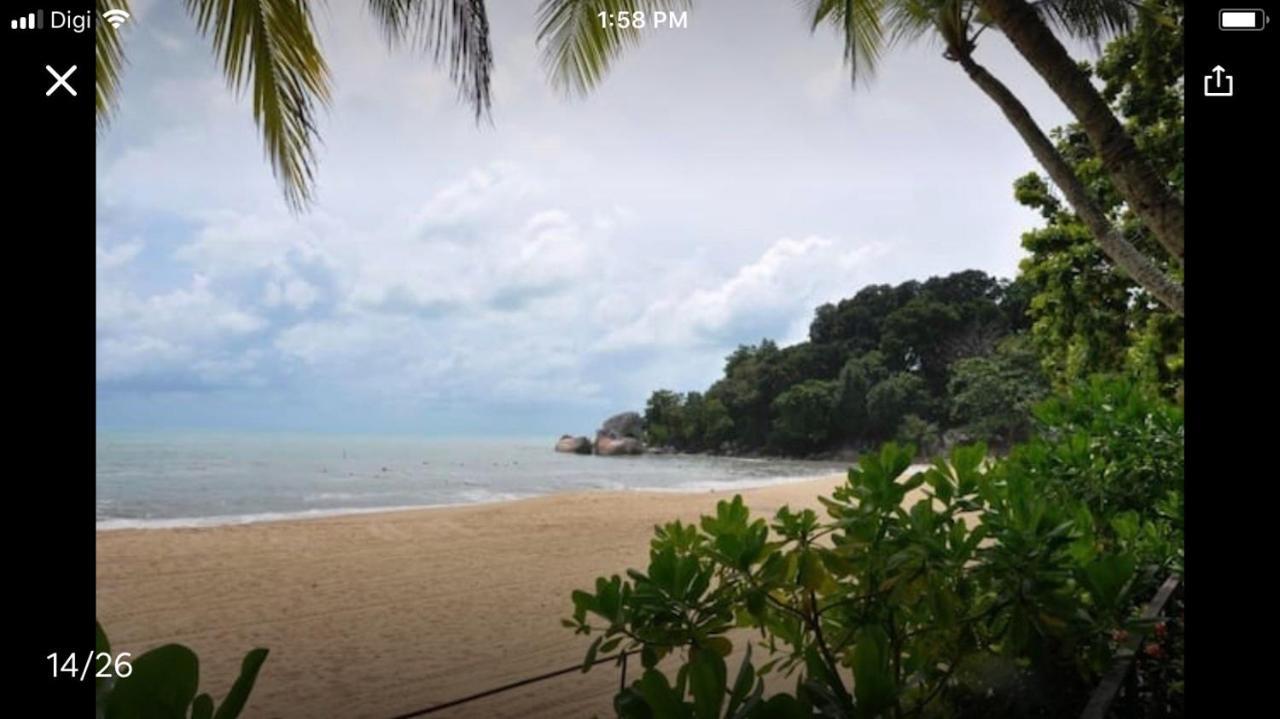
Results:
<point x="49" y="224"/>
<point x="1231" y="223"/>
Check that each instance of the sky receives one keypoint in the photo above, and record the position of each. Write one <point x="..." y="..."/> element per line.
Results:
<point x="535" y="274"/>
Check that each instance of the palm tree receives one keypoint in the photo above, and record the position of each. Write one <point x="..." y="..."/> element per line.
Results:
<point x="578" y="51"/>
<point x="1027" y="27"/>
<point x="269" y="46"/>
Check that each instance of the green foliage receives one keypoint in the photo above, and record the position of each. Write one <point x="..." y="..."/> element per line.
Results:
<point x="1088" y="317"/>
<point x="992" y="396"/>
<point x="1112" y="443"/>
<point x="163" y="684"/>
<point x="919" y="433"/>
<point x="891" y="400"/>
<point x="871" y="360"/>
<point x="912" y="586"/>
<point x="803" y="415"/>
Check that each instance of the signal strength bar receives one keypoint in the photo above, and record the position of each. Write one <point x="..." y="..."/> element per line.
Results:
<point x="30" y="21"/>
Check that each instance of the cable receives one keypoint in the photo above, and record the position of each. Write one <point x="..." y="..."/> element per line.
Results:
<point x="620" y="657"/>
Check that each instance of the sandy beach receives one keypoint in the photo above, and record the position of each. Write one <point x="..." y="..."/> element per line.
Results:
<point x="375" y="615"/>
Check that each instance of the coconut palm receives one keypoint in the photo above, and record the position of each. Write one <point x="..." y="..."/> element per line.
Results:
<point x="578" y="50"/>
<point x="1028" y="27"/>
<point x="270" y="48"/>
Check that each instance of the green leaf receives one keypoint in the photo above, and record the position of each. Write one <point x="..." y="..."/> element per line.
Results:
<point x="610" y="645"/>
<point x="161" y="686"/>
<point x="742" y="685"/>
<point x="663" y="700"/>
<point x="719" y="645"/>
<point x="812" y="574"/>
<point x="234" y="703"/>
<point x="630" y="704"/>
<point x="873" y="681"/>
<point x="202" y="708"/>
<point x="707" y="681"/>
<point x="590" y="659"/>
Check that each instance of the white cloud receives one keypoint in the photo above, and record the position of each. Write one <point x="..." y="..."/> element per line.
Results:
<point x="784" y="283"/>
<point x="574" y="252"/>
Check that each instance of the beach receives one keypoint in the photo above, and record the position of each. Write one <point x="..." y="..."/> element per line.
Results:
<point x="380" y="614"/>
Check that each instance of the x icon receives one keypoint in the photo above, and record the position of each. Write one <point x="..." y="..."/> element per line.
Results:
<point x="61" y="80"/>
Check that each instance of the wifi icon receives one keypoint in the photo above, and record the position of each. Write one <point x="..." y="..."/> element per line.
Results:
<point x="115" y="17"/>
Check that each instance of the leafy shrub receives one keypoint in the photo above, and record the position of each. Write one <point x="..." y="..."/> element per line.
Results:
<point x="883" y="609"/>
<point x="163" y="682"/>
<point x="1112" y="443"/>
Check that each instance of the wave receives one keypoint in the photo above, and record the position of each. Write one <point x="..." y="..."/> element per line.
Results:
<point x="467" y="499"/>
<point x="728" y="485"/>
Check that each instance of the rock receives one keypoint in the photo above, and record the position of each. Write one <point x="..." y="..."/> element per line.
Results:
<point x="574" y="445"/>
<point x="627" y="424"/>
<point x="609" y="446"/>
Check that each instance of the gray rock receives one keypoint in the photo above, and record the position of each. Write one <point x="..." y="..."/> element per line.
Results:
<point x="626" y="424"/>
<point x="573" y="445"/>
<point x="609" y="446"/>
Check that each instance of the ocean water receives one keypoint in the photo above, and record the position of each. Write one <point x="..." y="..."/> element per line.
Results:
<point x="166" y="480"/>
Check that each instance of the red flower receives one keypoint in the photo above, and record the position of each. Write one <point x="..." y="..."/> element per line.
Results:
<point x="1119" y="636"/>
<point x="1162" y="630"/>
<point x="1153" y="650"/>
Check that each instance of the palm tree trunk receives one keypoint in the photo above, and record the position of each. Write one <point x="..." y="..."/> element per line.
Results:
<point x="1142" y="188"/>
<point x="1128" y="258"/>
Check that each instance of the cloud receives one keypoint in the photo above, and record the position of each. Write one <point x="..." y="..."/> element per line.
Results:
<point x="762" y="298"/>
<point x="567" y="258"/>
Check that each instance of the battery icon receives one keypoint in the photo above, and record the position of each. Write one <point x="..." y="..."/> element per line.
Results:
<point x="1242" y="19"/>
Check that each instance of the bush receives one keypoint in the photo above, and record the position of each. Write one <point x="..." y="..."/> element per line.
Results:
<point x="883" y="609"/>
<point x="1112" y="443"/>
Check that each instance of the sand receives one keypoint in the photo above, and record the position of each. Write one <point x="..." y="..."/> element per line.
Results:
<point x="376" y="615"/>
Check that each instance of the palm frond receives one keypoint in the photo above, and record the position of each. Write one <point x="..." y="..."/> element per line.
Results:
<point x="270" y="45"/>
<point x="1094" y="20"/>
<point x="577" y="48"/>
<point x="456" y="32"/>
<point x="859" y="24"/>
<point x="909" y="20"/>
<point x="108" y="62"/>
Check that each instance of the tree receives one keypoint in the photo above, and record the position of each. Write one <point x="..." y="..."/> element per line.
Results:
<point x="992" y="397"/>
<point x="856" y="379"/>
<point x="664" y="418"/>
<point x="1088" y="316"/>
<point x="269" y="47"/>
<point x="803" y="416"/>
<point x="578" y="51"/>
<point x="1137" y="180"/>
<point x="894" y="398"/>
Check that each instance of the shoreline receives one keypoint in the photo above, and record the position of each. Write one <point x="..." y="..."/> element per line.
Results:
<point x="121" y="524"/>
<point x="375" y="614"/>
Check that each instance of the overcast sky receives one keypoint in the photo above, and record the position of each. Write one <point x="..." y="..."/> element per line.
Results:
<point x="532" y="276"/>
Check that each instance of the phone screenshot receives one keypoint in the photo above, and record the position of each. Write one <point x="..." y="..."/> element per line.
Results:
<point x="702" y="359"/>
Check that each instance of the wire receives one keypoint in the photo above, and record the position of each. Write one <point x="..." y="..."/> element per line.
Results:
<point x="620" y="657"/>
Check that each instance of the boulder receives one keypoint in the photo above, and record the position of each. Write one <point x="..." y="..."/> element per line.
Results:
<point x="574" y="445"/>
<point x="626" y="424"/>
<point x="608" y="445"/>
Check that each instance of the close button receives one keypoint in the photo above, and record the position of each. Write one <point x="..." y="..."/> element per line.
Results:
<point x="61" y="81"/>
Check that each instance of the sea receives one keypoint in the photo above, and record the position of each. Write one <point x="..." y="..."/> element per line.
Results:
<point x="160" y="480"/>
